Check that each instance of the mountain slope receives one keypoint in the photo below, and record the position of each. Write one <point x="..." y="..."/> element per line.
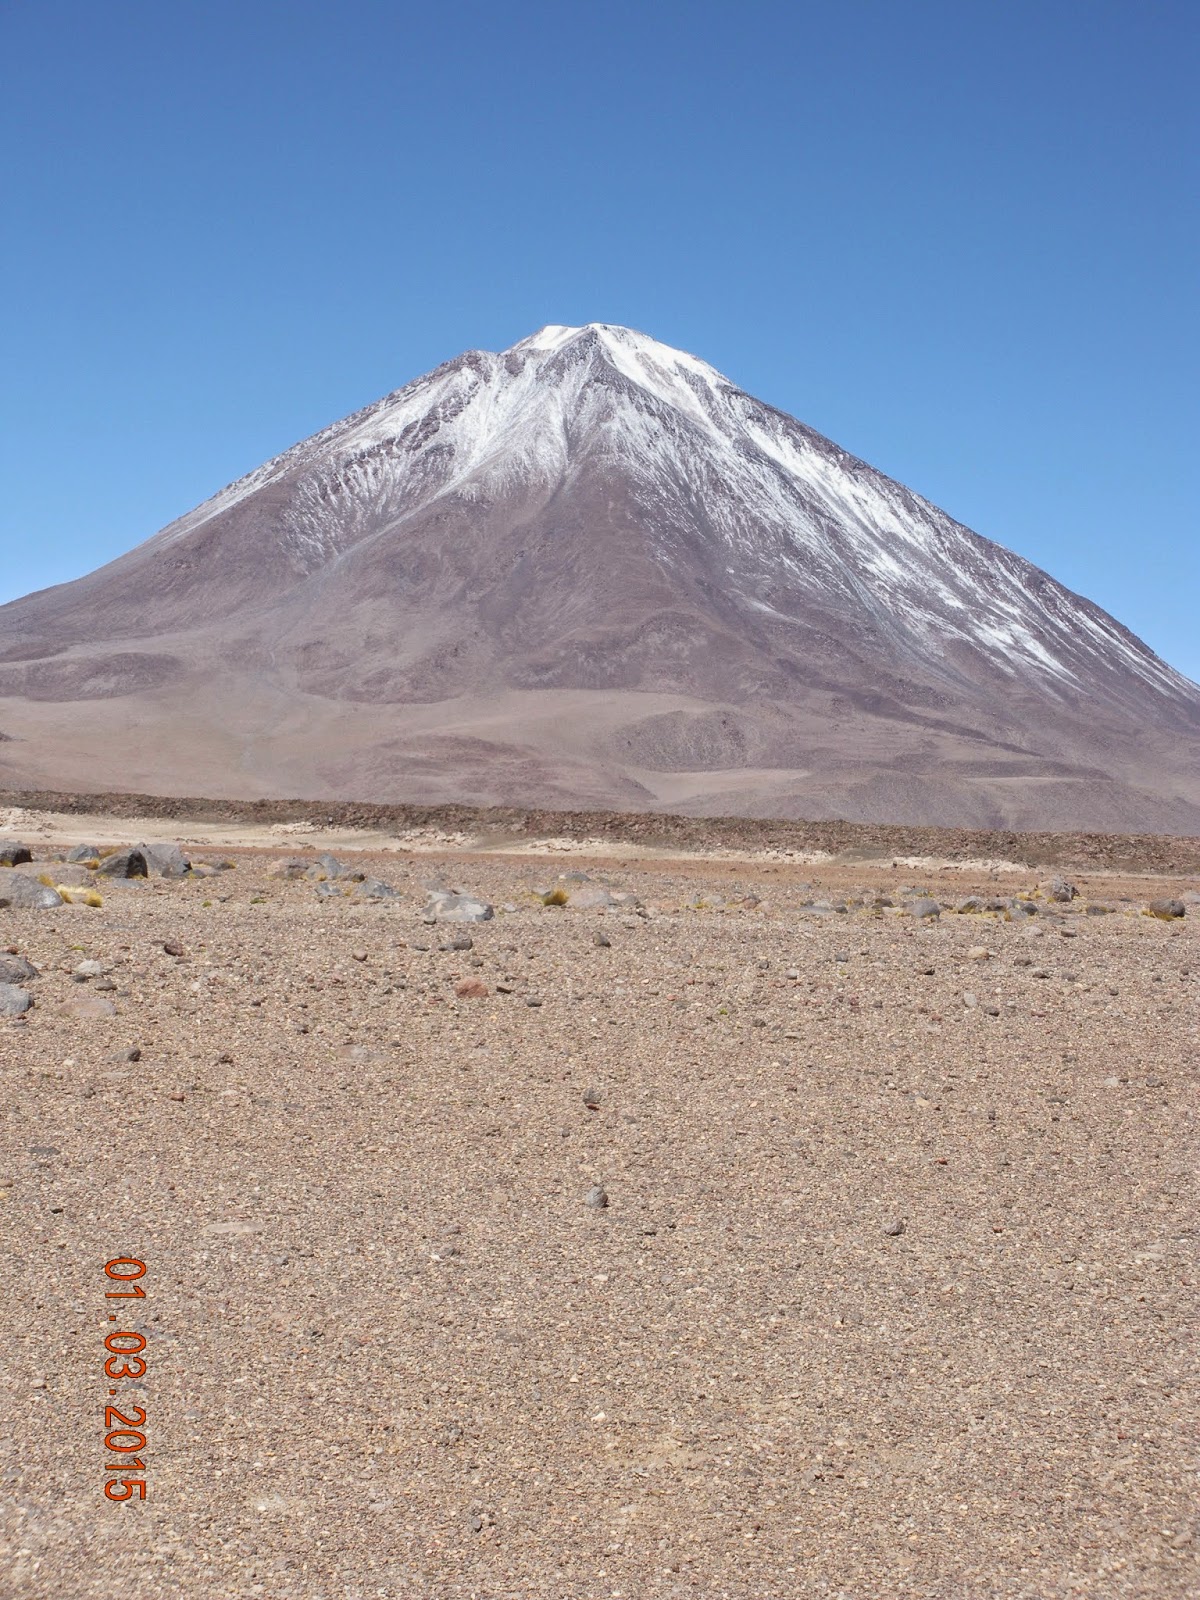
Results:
<point x="590" y="570"/>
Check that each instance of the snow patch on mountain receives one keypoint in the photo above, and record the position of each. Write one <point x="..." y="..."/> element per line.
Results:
<point x="794" y="514"/>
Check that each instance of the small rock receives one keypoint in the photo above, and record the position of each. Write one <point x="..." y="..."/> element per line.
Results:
<point x="171" y="948"/>
<point x="1166" y="910"/>
<point x="532" y="1000"/>
<point x="91" y="969"/>
<point x="132" y="1055"/>
<point x="602" y="941"/>
<point x="460" y="941"/>
<point x="372" y="889"/>
<point x="591" y="1099"/>
<point x="92" y="1010"/>
<point x="13" y="853"/>
<point x="15" y="969"/>
<point x="970" y="1000"/>
<point x="922" y="909"/>
<point x="591" y="898"/>
<point x="893" y="1229"/>
<point x="471" y="989"/>
<point x="1059" y="889"/>
<point x="596" y="1198"/>
<point x="325" y="867"/>
<point x="979" y="952"/>
<point x="292" y="867"/>
<point x="476" y="1524"/>
<point x="445" y="905"/>
<point x="14" y="1001"/>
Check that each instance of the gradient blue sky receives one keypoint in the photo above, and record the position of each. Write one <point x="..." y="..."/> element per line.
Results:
<point x="959" y="238"/>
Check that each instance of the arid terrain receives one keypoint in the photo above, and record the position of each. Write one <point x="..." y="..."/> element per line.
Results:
<point x="742" y="1227"/>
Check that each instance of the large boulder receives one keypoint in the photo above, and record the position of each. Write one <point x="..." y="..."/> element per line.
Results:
<point x="165" y="860"/>
<point x="447" y="905"/>
<point x="131" y="863"/>
<point x="13" y="853"/>
<point x="25" y="893"/>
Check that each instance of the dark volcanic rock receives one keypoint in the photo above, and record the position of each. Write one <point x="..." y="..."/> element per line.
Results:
<point x="124" y="864"/>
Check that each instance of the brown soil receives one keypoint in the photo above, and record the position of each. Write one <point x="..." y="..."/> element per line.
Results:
<point x="393" y="1354"/>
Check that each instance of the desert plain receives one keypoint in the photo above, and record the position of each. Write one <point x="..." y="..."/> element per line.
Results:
<point x="728" y="1230"/>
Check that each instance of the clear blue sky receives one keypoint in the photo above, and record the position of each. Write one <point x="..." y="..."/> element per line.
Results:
<point x="959" y="238"/>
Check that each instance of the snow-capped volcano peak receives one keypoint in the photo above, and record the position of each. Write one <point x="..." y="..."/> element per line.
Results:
<point x="593" y="512"/>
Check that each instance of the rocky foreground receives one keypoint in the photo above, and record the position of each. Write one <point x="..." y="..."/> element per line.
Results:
<point x="659" y="1228"/>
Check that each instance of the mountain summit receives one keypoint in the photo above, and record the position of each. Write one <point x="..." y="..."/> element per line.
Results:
<point x="590" y="570"/>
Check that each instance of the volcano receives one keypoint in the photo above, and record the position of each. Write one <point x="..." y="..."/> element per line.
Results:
<point x="590" y="571"/>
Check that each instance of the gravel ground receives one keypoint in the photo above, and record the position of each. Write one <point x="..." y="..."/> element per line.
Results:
<point x="893" y="1293"/>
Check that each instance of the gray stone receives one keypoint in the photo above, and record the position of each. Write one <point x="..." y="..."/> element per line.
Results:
<point x="922" y="909"/>
<point x="91" y="1010"/>
<point x="165" y="860"/>
<point x="72" y="876"/>
<point x="591" y="896"/>
<point x="91" y="969"/>
<point x="14" y="1002"/>
<point x="372" y="890"/>
<point x="1167" y="910"/>
<point x="445" y="905"/>
<point x="15" y="969"/>
<point x="1021" y="908"/>
<point x="460" y="941"/>
<point x="124" y="864"/>
<point x="596" y="1197"/>
<point x="13" y="853"/>
<point x="893" y="1229"/>
<point x="325" y="867"/>
<point x="25" y="893"/>
<point x="591" y="1099"/>
<point x="84" y="852"/>
<point x="602" y="941"/>
<point x="292" y="867"/>
<point x="1060" y="889"/>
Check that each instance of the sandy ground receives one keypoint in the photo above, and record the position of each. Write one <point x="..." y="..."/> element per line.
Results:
<point x="894" y="1293"/>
